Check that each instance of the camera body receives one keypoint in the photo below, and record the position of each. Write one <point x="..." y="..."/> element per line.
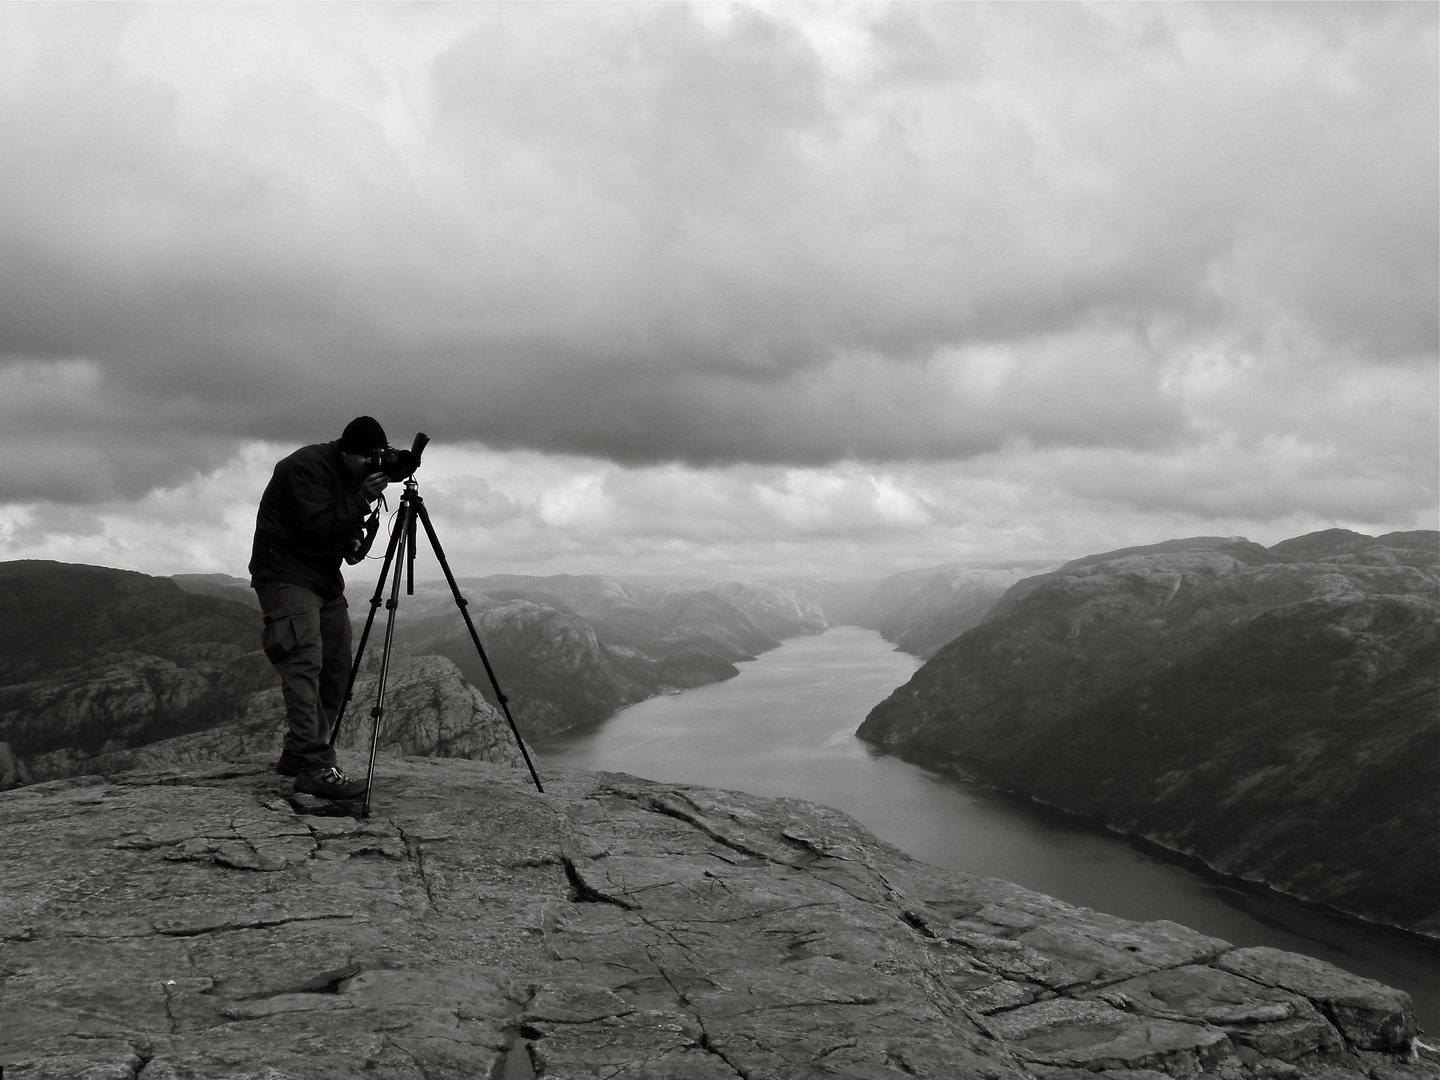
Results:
<point x="398" y="465"/>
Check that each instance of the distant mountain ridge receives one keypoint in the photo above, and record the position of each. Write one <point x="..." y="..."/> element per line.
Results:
<point x="922" y="610"/>
<point x="1270" y="711"/>
<point x="573" y="649"/>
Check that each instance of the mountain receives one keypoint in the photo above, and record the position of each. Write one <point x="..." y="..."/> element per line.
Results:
<point x="571" y="649"/>
<point x="1269" y="711"/>
<point x="636" y="611"/>
<point x="921" y="610"/>
<point x="917" y="610"/>
<point x="55" y="615"/>
<point x="96" y="659"/>
<point x="225" y="586"/>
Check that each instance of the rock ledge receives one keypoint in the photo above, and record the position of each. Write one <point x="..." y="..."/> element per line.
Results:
<point x="201" y="922"/>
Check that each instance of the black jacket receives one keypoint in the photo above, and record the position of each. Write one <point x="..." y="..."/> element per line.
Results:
<point x="308" y="515"/>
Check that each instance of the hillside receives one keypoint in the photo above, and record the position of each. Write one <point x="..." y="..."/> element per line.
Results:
<point x="922" y="610"/>
<point x="572" y="649"/>
<point x="95" y="659"/>
<point x="1271" y="712"/>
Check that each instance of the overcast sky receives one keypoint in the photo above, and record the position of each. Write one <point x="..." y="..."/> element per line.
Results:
<point x="729" y="290"/>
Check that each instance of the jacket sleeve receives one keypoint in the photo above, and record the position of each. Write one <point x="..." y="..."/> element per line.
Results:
<point x="320" y="516"/>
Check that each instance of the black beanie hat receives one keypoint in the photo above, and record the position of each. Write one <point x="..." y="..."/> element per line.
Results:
<point x="362" y="435"/>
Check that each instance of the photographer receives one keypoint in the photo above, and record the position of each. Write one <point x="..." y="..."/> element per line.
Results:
<point x="311" y="516"/>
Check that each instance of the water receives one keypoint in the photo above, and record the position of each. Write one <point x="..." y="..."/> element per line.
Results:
<point x="785" y="726"/>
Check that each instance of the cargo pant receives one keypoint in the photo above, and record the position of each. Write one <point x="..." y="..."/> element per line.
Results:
<point x="308" y="641"/>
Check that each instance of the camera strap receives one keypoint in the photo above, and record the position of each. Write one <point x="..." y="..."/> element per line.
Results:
<point x="364" y="536"/>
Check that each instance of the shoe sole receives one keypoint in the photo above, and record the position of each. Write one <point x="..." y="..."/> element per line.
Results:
<point x="333" y="796"/>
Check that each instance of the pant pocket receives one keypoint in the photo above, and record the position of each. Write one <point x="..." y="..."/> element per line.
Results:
<point x="283" y="634"/>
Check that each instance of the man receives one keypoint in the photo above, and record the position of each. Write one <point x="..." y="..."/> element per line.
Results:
<point x="313" y="512"/>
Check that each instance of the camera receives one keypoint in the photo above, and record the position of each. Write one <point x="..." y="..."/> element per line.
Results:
<point x="398" y="465"/>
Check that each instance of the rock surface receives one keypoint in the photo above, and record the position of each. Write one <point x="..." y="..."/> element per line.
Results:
<point x="200" y="922"/>
<point x="1269" y="712"/>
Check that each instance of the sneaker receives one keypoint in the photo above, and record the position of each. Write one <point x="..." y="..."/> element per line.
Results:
<point x="289" y="764"/>
<point x="328" y="783"/>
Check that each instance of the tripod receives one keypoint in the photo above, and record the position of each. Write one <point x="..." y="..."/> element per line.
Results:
<point x="402" y="551"/>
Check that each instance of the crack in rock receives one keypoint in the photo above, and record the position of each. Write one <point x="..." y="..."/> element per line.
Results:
<point x="586" y="893"/>
<point x="417" y="854"/>
<point x="176" y="928"/>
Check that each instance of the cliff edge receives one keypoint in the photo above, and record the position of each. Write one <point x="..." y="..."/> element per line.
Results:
<point x="201" y="922"/>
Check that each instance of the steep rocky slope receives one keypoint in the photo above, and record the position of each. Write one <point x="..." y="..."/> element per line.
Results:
<point x="201" y="922"/>
<point x="55" y="615"/>
<point x="1271" y="712"/>
<point x="921" y="610"/>
<point x="546" y="658"/>
<point x="430" y="711"/>
<point x="97" y="659"/>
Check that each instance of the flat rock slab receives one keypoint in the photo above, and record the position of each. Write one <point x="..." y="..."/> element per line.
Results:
<point x="207" y="924"/>
<point x="1371" y="1015"/>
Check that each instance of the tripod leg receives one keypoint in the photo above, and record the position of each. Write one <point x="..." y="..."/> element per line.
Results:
<point x="464" y="605"/>
<point x="365" y="635"/>
<point x="392" y="607"/>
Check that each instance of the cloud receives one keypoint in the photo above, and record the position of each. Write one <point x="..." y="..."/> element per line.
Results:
<point x="731" y="285"/>
<point x="661" y="232"/>
<point x="532" y="513"/>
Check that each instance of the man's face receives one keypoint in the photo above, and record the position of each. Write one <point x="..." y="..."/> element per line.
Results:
<point x="357" y="465"/>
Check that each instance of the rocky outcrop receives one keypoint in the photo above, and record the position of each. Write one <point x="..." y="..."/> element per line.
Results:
<point x="97" y="660"/>
<point x="125" y="699"/>
<point x="202" y="922"/>
<point x="429" y="711"/>
<point x="546" y="659"/>
<point x="1271" y="712"/>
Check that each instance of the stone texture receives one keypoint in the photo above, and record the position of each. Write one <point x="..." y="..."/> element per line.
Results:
<point x="1371" y="1015"/>
<point x="1277" y="1025"/>
<point x="202" y="922"/>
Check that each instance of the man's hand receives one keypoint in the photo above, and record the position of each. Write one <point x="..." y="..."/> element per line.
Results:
<point x="373" y="485"/>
